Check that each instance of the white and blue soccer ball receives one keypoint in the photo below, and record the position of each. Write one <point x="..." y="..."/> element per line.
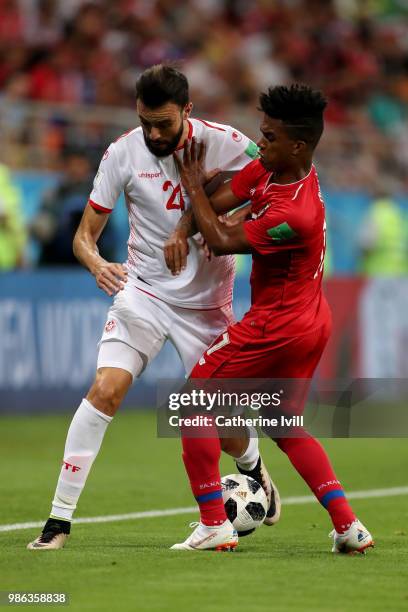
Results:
<point x="245" y="502"/>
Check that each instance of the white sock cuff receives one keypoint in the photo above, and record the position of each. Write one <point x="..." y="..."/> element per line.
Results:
<point x="88" y="406"/>
<point x="250" y="458"/>
<point x="252" y="431"/>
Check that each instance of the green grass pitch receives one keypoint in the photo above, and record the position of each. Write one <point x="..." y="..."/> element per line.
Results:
<point x="127" y="565"/>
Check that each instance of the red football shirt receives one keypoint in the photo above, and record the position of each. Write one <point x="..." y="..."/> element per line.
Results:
<point x="287" y="234"/>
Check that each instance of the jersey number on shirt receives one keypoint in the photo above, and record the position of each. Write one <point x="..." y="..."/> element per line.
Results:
<point x="176" y="200"/>
<point x="215" y="347"/>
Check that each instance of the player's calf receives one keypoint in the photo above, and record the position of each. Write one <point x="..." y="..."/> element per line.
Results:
<point x="83" y="442"/>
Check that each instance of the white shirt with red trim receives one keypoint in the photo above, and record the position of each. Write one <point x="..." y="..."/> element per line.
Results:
<point x="156" y="200"/>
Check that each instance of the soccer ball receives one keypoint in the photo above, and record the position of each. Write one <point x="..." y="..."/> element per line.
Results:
<point x="245" y="502"/>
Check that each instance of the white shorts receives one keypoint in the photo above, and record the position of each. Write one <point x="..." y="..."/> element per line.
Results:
<point x="138" y="325"/>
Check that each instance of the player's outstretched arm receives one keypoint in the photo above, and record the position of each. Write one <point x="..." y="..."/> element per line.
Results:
<point x="221" y="238"/>
<point x="223" y="200"/>
<point x="176" y="250"/>
<point x="110" y="277"/>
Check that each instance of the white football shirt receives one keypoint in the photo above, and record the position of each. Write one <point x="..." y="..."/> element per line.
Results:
<point x="156" y="200"/>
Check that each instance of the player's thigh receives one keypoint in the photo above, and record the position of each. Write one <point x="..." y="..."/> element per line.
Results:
<point x="244" y="351"/>
<point x="295" y="363"/>
<point x="298" y="357"/>
<point x="193" y="331"/>
<point x="135" y="330"/>
<point x="225" y="355"/>
<point x="116" y="354"/>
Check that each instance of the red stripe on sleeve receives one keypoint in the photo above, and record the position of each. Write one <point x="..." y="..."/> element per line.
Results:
<point x="99" y="207"/>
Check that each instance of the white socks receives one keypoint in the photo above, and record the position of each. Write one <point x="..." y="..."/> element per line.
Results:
<point x="250" y="458"/>
<point x="83" y="442"/>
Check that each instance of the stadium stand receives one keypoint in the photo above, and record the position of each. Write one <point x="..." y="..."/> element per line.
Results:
<point x="67" y="74"/>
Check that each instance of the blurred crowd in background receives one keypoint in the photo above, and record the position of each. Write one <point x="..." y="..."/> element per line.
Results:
<point x="67" y="76"/>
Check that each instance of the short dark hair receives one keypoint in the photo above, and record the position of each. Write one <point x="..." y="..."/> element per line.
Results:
<point x="300" y="107"/>
<point x="161" y="84"/>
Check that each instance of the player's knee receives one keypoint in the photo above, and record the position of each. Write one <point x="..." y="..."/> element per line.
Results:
<point x="271" y="433"/>
<point x="225" y="445"/>
<point x="208" y="449"/>
<point x="235" y="447"/>
<point x="107" y="394"/>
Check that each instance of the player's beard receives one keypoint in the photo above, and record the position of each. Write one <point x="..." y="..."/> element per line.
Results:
<point x="166" y="147"/>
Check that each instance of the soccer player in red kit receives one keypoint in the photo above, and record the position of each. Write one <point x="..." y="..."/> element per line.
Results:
<point x="284" y="333"/>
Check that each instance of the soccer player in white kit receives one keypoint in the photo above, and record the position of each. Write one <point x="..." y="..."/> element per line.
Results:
<point x="150" y="305"/>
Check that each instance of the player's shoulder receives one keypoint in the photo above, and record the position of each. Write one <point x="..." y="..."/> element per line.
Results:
<point x="254" y="170"/>
<point x="252" y="173"/>
<point x="129" y="138"/>
<point x="204" y="125"/>
<point x="119" y="149"/>
<point x="296" y="193"/>
<point x="245" y="181"/>
<point x="216" y="131"/>
<point x="295" y="202"/>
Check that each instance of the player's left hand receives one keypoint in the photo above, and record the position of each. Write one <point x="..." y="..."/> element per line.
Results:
<point x="191" y="167"/>
<point x="176" y="250"/>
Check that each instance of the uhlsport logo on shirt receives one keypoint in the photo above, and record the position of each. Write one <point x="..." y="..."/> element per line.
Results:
<point x="150" y="175"/>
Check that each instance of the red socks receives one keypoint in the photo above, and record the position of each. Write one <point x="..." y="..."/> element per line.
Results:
<point x="201" y="457"/>
<point x="310" y="460"/>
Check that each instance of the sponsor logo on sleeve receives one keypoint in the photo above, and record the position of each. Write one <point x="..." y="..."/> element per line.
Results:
<point x="252" y="150"/>
<point x="110" y="325"/>
<point x="236" y="136"/>
<point x="280" y="232"/>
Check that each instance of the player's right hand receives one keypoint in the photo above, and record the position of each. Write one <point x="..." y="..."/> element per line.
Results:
<point x="110" y="277"/>
<point x="176" y="250"/>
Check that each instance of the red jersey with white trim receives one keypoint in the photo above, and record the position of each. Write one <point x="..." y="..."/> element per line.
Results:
<point x="156" y="200"/>
<point x="287" y="234"/>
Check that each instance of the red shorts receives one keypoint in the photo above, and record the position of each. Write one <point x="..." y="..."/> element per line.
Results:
<point x="245" y="350"/>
